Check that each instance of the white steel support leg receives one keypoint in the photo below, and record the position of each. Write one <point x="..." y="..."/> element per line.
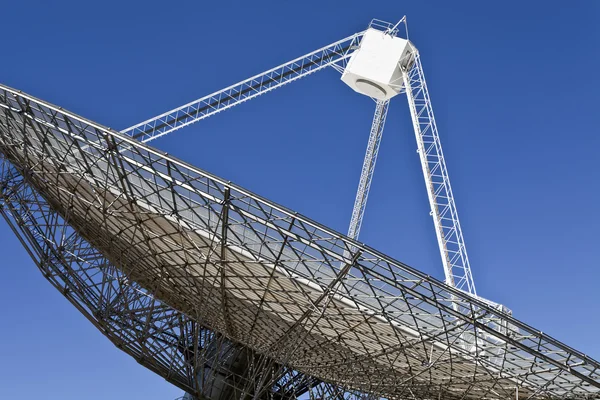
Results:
<point x="443" y="209"/>
<point x="366" y="175"/>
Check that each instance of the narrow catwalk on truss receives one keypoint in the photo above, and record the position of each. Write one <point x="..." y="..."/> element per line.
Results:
<point x="228" y="295"/>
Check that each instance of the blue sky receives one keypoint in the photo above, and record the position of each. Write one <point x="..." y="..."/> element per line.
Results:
<point x="514" y="86"/>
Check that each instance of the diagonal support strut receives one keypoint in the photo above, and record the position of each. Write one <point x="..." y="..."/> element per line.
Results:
<point x="368" y="168"/>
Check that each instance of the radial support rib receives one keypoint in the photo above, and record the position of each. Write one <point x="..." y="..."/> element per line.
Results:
<point x="366" y="175"/>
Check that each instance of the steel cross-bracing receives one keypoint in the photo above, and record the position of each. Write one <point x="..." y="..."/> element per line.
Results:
<point x="279" y="306"/>
<point x="161" y="338"/>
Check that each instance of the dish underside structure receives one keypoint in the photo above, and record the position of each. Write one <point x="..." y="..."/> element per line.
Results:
<point x="208" y="284"/>
<point x="229" y="296"/>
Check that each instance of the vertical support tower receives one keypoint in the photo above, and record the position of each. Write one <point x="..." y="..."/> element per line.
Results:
<point x="382" y="67"/>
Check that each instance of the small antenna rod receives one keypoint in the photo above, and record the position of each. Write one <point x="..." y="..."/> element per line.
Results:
<point x="395" y="27"/>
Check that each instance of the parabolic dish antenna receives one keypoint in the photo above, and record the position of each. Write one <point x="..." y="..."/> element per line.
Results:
<point x="228" y="295"/>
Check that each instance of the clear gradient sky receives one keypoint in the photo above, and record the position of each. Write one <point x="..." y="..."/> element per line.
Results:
<point x="514" y="86"/>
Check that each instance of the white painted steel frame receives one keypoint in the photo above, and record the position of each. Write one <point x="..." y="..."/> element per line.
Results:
<point x="334" y="54"/>
<point x="441" y="200"/>
<point x="366" y="176"/>
<point x="449" y="235"/>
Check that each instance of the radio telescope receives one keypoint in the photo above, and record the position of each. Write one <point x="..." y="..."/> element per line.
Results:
<point x="230" y="296"/>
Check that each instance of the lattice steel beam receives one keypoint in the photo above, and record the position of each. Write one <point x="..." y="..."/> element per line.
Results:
<point x="441" y="200"/>
<point x="334" y="54"/>
<point x="368" y="168"/>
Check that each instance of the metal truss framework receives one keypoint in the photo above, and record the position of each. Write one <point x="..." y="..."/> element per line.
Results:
<point x="449" y="235"/>
<point x="441" y="200"/>
<point x="162" y="339"/>
<point x="366" y="176"/>
<point x="160" y="255"/>
<point x="335" y="54"/>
